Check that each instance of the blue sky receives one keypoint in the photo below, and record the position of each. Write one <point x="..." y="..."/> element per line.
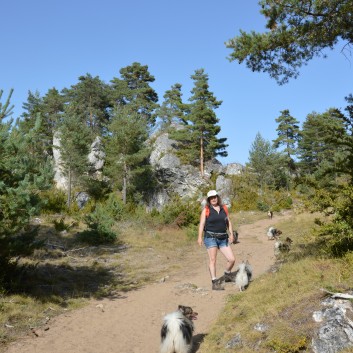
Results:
<point x="49" y="44"/>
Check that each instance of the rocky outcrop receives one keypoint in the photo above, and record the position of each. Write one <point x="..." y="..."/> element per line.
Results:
<point x="335" y="332"/>
<point x="174" y="177"/>
<point x="59" y="176"/>
<point x="185" y="180"/>
<point x="95" y="159"/>
<point x="96" y="156"/>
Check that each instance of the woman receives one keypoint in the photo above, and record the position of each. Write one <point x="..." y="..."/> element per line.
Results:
<point x="214" y="223"/>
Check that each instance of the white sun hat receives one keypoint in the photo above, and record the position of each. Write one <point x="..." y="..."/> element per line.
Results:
<point x="212" y="193"/>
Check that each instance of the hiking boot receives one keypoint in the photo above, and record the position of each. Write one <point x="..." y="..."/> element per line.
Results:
<point x="217" y="285"/>
<point x="228" y="277"/>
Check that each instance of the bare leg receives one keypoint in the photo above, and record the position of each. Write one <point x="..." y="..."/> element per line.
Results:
<point x="212" y="254"/>
<point x="228" y="254"/>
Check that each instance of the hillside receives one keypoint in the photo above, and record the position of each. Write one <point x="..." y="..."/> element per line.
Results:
<point x="130" y="321"/>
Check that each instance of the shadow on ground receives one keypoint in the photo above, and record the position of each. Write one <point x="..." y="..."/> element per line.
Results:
<point x="197" y="339"/>
<point x="60" y="266"/>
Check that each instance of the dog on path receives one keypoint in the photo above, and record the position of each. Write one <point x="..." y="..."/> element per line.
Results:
<point x="177" y="331"/>
<point x="243" y="275"/>
<point x="273" y="233"/>
<point x="282" y="246"/>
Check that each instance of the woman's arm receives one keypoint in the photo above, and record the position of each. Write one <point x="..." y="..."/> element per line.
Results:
<point x="201" y="226"/>
<point x="230" y="231"/>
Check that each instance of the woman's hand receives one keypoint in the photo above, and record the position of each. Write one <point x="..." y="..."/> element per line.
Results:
<point x="199" y="240"/>
<point x="231" y="239"/>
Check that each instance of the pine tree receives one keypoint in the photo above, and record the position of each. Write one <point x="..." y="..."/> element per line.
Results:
<point x="89" y="101"/>
<point x="6" y="108"/>
<point x="319" y="154"/>
<point x="172" y="110"/>
<point x="126" y="151"/>
<point x="298" y="31"/>
<point x="198" y="140"/>
<point x="75" y="139"/>
<point x="288" y="136"/>
<point x="21" y="180"/>
<point x="133" y="89"/>
<point x="49" y="109"/>
<point x="342" y="139"/>
<point x="266" y="164"/>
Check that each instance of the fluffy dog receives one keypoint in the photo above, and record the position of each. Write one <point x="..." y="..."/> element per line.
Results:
<point x="273" y="233"/>
<point x="177" y="331"/>
<point x="282" y="246"/>
<point x="243" y="275"/>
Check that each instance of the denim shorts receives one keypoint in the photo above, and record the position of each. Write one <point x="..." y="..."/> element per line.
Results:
<point x="215" y="243"/>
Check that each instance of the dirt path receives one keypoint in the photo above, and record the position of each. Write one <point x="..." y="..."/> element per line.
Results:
<point x="131" y="323"/>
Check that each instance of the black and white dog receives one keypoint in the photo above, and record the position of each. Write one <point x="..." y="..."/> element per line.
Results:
<point x="243" y="275"/>
<point x="177" y="330"/>
<point x="273" y="233"/>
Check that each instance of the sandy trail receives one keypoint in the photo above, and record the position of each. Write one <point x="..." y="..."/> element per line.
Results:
<point x="131" y="323"/>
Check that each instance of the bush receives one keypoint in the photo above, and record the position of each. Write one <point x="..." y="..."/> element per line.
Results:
<point x="114" y="206"/>
<point x="60" y="225"/>
<point x="53" y="201"/>
<point x="181" y="213"/>
<point x="336" y="237"/>
<point x="100" y="224"/>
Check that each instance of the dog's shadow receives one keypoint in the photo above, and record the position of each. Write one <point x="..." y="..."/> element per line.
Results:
<point x="197" y="340"/>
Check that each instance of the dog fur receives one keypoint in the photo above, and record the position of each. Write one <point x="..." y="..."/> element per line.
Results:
<point x="177" y="331"/>
<point x="273" y="233"/>
<point x="282" y="246"/>
<point x="270" y="214"/>
<point x="243" y="276"/>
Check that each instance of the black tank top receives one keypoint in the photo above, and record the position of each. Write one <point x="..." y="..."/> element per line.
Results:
<point x="216" y="222"/>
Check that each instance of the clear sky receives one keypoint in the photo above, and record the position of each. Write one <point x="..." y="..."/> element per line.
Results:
<point x="50" y="43"/>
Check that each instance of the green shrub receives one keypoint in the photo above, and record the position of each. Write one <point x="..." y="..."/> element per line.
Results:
<point x="336" y="237"/>
<point x="53" y="201"/>
<point x="100" y="223"/>
<point x="61" y="225"/>
<point x="114" y="206"/>
<point x="181" y="213"/>
<point x="192" y="232"/>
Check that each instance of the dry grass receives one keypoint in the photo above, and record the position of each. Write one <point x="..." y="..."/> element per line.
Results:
<point x="63" y="274"/>
<point x="245" y="217"/>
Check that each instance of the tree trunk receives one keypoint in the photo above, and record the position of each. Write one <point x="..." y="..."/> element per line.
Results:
<point x="69" y="190"/>
<point x="124" y="184"/>
<point x="201" y="156"/>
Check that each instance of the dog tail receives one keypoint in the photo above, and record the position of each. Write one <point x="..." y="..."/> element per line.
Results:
<point x="176" y="334"/>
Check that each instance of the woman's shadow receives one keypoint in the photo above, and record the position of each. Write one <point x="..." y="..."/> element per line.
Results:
<point x="197" y="340"/>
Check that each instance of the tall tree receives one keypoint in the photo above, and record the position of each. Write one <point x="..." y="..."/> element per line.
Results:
<point x="172" y="109"/>
<point x="198" y="140"/>
<point x="317" y="151"/>
<point x="21" y="179"/>
<point x="89" y="101"/>
<point x="49" y="110"/>
<point x="53" y="108"/>
<point x="32" y="107"/>
<point x="126" y="150"/>
<point x="75" y="139"/>
<point x="266" y="163"/>
<point x="288" y="132"/>
<point x="133" y="89"/>
<point x="298" y="31"/>
<point x="342" y="138"/>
